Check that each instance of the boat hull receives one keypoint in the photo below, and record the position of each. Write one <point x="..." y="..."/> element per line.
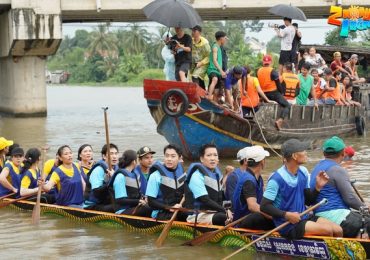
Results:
<point x="309" y="247"/>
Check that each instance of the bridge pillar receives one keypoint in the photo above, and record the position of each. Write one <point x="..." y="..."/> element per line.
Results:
<point x="27" y="36"/>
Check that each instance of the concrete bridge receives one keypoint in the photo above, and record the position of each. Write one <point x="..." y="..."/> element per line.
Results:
<point x="30" y="30"/>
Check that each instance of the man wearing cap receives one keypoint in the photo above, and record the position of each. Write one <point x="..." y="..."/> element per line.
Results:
<point x="200" y="57"/>
<point x="182" y="52"/>
<point x="248" y="192"/>
<point x="10" y="179"/>
<point x="270" y="85"/>
<point x="4" y="149"/>
<point x="288" y="191"/>
<point x="145" y="155"/>
<point x="168" y="57"/>
<point x="232" y="86"/>
<point x="339" y="191"/>
<point x="351" y="63"/>
<point x="215" y="70"/>
<point x="338" y="65"/>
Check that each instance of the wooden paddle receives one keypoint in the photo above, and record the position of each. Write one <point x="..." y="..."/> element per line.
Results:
<point x="323" y="201"/>
<point x="36" y="209"/>
<point x="109" y="161"/>
<point x="7" y="203"/>
<point x="162" y="237"/>
<point x="211" y="234"/>
<point x="7" y="195"/>
<point x="357" y="191"/>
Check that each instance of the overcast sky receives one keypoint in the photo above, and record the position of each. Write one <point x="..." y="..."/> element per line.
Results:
<point x="313" y="30"/>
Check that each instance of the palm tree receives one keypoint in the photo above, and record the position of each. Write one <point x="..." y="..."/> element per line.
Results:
<point x="108" y="66"/>
<point x="103" y="42"/>
<point x="136" y="40"/>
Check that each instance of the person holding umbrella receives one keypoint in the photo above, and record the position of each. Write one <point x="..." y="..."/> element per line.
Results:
<point x="181" y="44"/>
<point x="287" y="35"/>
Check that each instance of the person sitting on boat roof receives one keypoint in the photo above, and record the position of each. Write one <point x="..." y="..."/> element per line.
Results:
<point x="4" y="148"/>
<point x="85" y="158"/>
<point x="248" y="192"/>
<point x="319" y="85"/>
<point x="270" y="85"/>
<point x="251" y="93"/>
<point x="10" y="178"/>
<point x="165" y="188"/>
<point x="68" y="180"/>
<point x="288" y="191"/>
<point x="31" y="176"/>
<point x="232" y="86"/>
<point x="306" y="87"/>
<point x="331" y="94"/>
<point x="96" y="194"/>
<point x="200" y="57"/>
<point x="204" y="189"/>
<point x="351" y="63"/>
<point x="339" y="191"/>
<point x="290" y="83"/>
<point x="338" y="65"/>
<point x="125" y="186"/>
<point x="347" y="92"/>
<point x="315" y="59"/>
<point x="215" y="71"/>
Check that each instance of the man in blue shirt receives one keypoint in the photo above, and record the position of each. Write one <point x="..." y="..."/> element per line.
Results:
<point x="232" y="90"/>
<point x="339" y="191"/>
<point x="165" y="188"/>
<point x="288" y="191"/>
<point x="96" y="194"/>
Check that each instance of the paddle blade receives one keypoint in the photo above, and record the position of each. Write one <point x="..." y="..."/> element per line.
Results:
<point x="201" y="239"/>
<point x="162" y="237"/>
<point x="36" y="215"/>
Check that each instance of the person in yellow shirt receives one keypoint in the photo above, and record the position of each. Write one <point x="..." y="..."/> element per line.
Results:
<point x="4" y="149"/>
<point x="10" y="175"/>
<point x="68" y="180"/>
<point x="85" y="158"/>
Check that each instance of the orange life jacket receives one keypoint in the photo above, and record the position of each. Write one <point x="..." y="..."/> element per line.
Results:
<point x="335" y="94"/>
<point x="291" y="84"/>
<point x="318" y="90"/>
<point x="264" y="77"/>
<point x="252" y="98"/>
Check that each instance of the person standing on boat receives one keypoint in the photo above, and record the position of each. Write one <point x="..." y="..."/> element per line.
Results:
<point x="248" y="192"/>
<point x="288" y="191"/>
<point x="270" y="85"/>
<point x="200" y="57"/>
<point x="232" y="86"/>
<point x="215" y="70"/>
<point x="204" y="189"/>
<point x="296" y="44"/>
<point x="4" y="149"/>
<point x="10" y="177"/>
<point x="339" y="191"/>
<point x="287" y="36"/>
<point x="168" y="57"/>
<point x="165" y="188"/>
<point x="290" y="83"/>
<point x="125" y="187"/>
<point x="182" y="51"/>
<point x="85" y="158"/>
<point x="96" y="194"/>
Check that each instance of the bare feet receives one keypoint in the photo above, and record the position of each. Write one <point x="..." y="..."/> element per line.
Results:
<point x="279" y="123"/>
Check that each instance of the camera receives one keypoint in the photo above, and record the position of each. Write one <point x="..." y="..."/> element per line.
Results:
<point x="276" y="26"/>
<point x="172" y="45"/>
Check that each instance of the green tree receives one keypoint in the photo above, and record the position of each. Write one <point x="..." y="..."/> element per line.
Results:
<point x="273" y="46"/>
<point x="136" y="41"/>
<point x="333" y="38"/>
<point x="81" y="39"/>
<point x="101" y="40"/>
<point x="108" y="65"/>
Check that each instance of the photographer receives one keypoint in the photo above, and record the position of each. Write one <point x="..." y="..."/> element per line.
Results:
<point x="181" y="45"/>
<point x="287" y="35"/>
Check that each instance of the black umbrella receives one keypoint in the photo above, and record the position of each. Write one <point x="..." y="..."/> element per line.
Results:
<point x="172" y="13"/>
<point x="289" y="11"/>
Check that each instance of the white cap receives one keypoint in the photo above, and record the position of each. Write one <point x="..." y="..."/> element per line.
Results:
<point x="256" y="152"/>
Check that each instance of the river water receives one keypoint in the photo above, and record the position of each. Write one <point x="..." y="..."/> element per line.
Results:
<point x="75" y="117"/>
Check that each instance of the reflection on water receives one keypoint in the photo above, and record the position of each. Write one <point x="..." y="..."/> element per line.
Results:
<point x="75" y="117"/>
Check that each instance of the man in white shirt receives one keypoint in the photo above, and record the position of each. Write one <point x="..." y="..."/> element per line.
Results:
<point x="287" y="35"/>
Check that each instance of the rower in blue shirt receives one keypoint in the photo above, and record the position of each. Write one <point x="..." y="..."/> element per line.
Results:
<point x="288" y="191"/>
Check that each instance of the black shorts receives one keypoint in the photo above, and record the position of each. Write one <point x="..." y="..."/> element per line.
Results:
<point x="298" y="230"/>
<point x="353" y="223"/>
<point x="285" y="56"/>
<point x="219" y="79"/>
<point x="257" y="221"/>
<point x="294" y="57"/>
<point x="184" y="67"/>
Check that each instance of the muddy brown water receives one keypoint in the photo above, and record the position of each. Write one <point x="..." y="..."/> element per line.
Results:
<point x="75" y="117"/>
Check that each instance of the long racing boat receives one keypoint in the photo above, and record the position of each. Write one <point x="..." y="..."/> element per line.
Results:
<point x="308" y="247"/>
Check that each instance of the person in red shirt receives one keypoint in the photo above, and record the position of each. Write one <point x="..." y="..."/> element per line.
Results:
<point x="338" y="65"/>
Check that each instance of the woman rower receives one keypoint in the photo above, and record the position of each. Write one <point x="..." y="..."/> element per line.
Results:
<point x="10" y="177"/>
<point x="85" y="158"/>
<point x="4" y="149"/>
<point x="68" y="180"/>
<point x="125" y="186"/>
